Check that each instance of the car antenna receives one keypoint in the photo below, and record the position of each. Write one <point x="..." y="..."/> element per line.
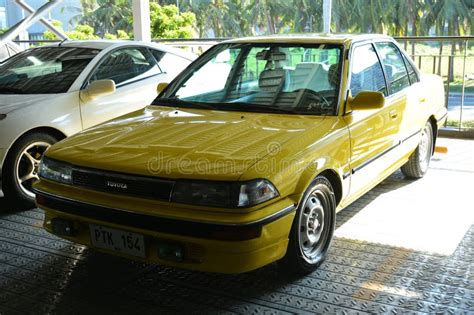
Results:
<point x="59" y="45"/>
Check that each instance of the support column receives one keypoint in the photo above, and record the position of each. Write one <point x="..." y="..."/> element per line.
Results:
<point x="141" y="20"/>
<point x="60" y="34"/>
<point x="16" y="29"/>
<point x="327" y="8"/>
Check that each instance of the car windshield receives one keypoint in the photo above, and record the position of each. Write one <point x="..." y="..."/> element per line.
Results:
<point x="44" y="70"/>
<point x="280" y="78"/>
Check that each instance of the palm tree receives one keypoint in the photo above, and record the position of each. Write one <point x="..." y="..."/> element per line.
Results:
<point x="87" y="6"/>
<point x="111" y="15"/>
<point x="307" y="15"/>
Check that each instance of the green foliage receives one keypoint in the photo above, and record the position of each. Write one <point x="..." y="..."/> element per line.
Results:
<point x="120" y="35"/>
<point x="231" y="18"/>
<point x="113" y="19"/>
<point x="467" y="123"/>
<point x="167" y="22"/>
<point x="83" y="32"/>
<point x="3" y="30"/>
<point x="235" y="18"/>
<point x="107" y="16"/>
<point x="50" y="35"/>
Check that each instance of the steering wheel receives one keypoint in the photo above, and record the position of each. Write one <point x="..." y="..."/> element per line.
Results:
<point x="311" y="99"/>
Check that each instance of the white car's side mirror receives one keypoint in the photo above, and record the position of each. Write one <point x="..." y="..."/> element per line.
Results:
<point x="96" y="89"/>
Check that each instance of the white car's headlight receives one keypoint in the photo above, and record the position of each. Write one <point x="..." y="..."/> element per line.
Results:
<point x="224" y="194"/>
<point x="55" y="171"/>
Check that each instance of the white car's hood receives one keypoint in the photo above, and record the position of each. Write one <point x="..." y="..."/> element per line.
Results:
<point x="11" y="102"/>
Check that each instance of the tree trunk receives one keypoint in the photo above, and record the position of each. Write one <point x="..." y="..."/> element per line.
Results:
<point x="270" y="22"/>
<point x="439" y="60"/>
<point x="413" y="29"/>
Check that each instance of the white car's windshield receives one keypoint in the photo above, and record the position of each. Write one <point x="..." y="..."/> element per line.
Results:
<point x="44" y="70"/>
<point x="297" y="78"/>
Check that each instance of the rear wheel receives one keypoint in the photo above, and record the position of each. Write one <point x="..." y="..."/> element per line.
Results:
<point x="418" y="163"/>
<point x="20" y="170"/>
<point x="312" y="229"/>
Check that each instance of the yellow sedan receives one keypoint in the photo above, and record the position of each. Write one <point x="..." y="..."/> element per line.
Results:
<point x="245" y="158"/>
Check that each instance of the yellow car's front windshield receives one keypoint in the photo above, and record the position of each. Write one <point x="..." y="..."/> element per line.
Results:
<point x="301" y="79"/>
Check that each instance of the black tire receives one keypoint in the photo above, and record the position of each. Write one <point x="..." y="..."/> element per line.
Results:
<point x="419" y="161"/>
<point x="19" y="165"/>
<point x="309" y="242"/>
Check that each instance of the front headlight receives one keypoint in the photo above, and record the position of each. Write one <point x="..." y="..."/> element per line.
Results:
<point x="55" y="171"/>
<point x="223" y="194"/>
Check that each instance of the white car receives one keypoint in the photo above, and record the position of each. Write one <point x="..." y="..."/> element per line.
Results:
<point x="51" y="92"/>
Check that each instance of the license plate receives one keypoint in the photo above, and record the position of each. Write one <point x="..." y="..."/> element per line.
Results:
<point x="120" y="241"/>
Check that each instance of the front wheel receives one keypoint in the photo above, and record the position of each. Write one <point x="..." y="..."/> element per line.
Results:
<point x="312" y="229"/>
<point x="418" y="163"/>
<point x="20" y="169"/>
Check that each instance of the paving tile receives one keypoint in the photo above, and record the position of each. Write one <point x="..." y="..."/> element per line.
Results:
<point x="404" y="247"/>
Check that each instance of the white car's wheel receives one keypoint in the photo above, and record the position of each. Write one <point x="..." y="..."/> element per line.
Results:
<point x="20" y="170"/>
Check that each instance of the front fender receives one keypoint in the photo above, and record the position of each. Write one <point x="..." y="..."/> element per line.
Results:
<point x="300" y="160"/>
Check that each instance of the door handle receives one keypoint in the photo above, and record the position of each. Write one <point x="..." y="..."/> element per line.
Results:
<point x="393" y="114"/>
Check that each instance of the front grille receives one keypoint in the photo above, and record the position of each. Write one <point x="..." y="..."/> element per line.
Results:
<point x="123" y="184"/>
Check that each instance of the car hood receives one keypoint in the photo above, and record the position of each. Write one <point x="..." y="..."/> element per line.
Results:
<point x="183" y="143"/>
<point x="11" y="102"/>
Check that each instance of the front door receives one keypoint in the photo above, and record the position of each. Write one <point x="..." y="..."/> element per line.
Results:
<point x="136" y="76"/>
<point x="373" y="132"/>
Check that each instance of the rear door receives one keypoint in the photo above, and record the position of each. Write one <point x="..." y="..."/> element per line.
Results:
<point x="136" y="75"/>
<point x="403" y="97"/>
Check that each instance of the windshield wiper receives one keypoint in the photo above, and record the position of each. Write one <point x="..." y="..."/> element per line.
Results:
<point x="9" y="89"/>
<point x="181" y="103"/>
<point x="242" y="106"/>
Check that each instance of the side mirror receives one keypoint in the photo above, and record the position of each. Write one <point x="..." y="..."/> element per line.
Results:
<point x="365" y="100"/>
<point x="161" y="86"/>
<point x="97" y="88"/>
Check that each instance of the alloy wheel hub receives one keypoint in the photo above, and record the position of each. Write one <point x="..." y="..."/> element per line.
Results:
<point x="27" y="166"/>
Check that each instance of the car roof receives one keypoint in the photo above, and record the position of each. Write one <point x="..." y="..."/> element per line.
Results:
<point x="334" y="38"/>
<point x="104" y="44"/>
<point x="93" y="44"/>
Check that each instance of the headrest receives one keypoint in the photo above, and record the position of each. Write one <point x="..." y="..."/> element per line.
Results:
<point x="271" y="80"/>
<point x="271" y="55"/>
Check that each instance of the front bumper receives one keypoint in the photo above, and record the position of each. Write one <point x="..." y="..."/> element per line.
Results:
<point x="207" y="246"/>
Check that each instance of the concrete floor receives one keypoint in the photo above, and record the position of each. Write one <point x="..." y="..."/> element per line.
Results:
<point x="404" y="247"/>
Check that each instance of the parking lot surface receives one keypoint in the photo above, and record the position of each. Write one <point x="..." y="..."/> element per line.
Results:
<point x="404" y="247"/>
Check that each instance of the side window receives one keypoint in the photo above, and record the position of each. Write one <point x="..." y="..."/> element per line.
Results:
<point x="411" y="70"/>
<point x="172" y="64"/>
<point x="394" y="66"/>
<point x="158" y="54"/>
<point x="366" y="71"/>
<point x="125" y="65"/>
